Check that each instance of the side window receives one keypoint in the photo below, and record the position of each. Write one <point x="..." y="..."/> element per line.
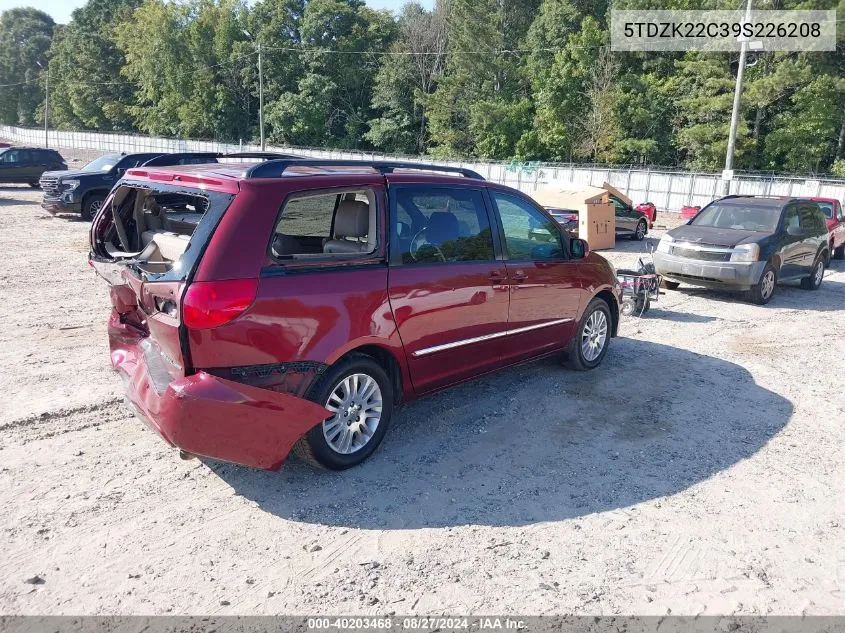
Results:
<point x="520" y="223"/>
<point x="326" y="223"/>
<point x="808" y="219"/>
<point x="790" y="218"/>
<point x="13" y="156"/>
<point x="444" y="225"/>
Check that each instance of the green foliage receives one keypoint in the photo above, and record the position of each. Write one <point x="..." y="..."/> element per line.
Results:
<point x="87" y="91"/>
<point x="25" y="36"/>
<point x="810" y="124"/>
<point x="503" y="79"/>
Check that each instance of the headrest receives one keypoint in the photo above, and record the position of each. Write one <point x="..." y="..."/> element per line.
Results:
<point x="442" y="227"/>
<point x="352" y="219"/>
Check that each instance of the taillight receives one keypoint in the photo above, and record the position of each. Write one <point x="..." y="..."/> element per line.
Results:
<point x="209" y="304"/>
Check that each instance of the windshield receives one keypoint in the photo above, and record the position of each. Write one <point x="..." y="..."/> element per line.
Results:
<point x="103" y="163"/>
<point x="739" y="217"/>
<point x="827" y="208"/>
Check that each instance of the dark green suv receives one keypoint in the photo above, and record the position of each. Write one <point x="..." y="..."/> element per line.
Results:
<point x="747" y="243"/>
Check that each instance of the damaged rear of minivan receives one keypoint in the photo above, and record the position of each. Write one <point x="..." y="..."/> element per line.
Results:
<point x="147" y="242"/>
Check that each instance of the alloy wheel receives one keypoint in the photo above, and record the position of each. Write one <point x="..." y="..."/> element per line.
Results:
<point x="767" y="285"/>
<point x="356" y="402"/>
<point x="594" y="336"/>
<point x="818" y="273"/>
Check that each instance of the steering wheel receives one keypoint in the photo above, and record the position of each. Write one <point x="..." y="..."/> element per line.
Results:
<point x="417" y="244"/>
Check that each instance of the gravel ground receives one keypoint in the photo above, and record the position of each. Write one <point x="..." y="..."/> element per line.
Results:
<point x="699" y="470"/>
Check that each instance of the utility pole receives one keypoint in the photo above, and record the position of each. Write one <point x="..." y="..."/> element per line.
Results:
<point x="46" y="104"/>
<point x="260" y="87"/>
<point x="729" y="157"/>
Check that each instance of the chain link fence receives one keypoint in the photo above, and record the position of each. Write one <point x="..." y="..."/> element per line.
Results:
<point x="668" y="189"/>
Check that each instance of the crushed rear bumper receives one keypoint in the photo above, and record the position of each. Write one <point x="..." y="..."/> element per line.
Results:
<point x="207" y="415"/>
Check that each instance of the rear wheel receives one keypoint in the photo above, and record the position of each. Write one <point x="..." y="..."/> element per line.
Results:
<point x="639" y="234"/>
<point x="589" y="344"/>
<point x="761" y="292"/>
<point x="359" y="394"/>
<point x="671" y="285"/>
<point x="816" y="276"/>
<point x="91" y="204"/>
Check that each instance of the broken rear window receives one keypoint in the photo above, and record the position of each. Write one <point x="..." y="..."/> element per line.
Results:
<point x="155" y="230"/>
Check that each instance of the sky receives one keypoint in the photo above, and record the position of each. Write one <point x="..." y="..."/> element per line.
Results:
<point x="61" y="9"/>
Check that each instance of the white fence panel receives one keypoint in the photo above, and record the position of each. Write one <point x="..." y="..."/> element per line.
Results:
<point x="669" y="190"/>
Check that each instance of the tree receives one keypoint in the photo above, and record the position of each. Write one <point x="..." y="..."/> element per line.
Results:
<point x="86" y="90"/>
<point x="341" y="45"/>
<point x="25" y="36"/>
<point x="405" y="79"/>
<point x="483" y="74"/>
<point x="811" y="124"/>
<point x="703" y="91"/>
<point x="182" y="59"/>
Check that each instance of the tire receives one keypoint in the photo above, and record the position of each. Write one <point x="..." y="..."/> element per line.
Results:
<point x="671" y="285"/>
<point x="839" y="253"/>
<point x="639" y="233"/>
<point x="577" y="358"/>
<point x="34" y="185"/>
<point x="91" y="204"/>
<point x="321" y="446"/>
<point x="763" y="291"/>
<point x="635" y="307"/>
<point x="816" y="276"/>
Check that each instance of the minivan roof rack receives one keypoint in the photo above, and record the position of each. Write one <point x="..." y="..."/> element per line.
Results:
<point x="164" y="159"/>
<point x="276" y="168"/>
<point x="172" y="158"/>
<point x="265" y="155"/>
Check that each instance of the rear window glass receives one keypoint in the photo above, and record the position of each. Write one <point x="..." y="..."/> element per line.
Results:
<point x="827" y="209"/>
<point x="740" y="217"/>
<point x="153" y="228"/>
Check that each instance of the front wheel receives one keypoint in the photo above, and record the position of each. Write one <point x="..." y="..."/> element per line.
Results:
<point x="761" y="292"/>
<point x="816" y="276"/>
<point x="358" y="393"/>
<point x="589" y="344"/>
<point x="639" y="234"/>
<point x="91" y="205"/>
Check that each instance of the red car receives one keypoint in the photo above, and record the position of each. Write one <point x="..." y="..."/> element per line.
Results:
<point x="835" y="217"/>
<point x="290" y="305"/>
<point x="649" y="210"/>
<point x="689" y="212"/>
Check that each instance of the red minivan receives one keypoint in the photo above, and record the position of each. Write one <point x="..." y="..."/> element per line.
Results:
<point x="292" y="304"/>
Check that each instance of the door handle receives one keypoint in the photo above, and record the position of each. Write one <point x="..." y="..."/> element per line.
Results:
<point x="497" y="277"/>
<point x="518" y="276"/>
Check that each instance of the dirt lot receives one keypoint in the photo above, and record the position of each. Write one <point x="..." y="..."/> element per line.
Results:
<point x="700" y="469"/>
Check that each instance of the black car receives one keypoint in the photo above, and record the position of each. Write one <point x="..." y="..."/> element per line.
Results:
<point x="747" y="243"/>
<point x="26" y="164"/>
<point x="83" y="191"/>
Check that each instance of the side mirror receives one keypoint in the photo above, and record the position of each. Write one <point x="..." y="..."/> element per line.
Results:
<point x="795" y="231"/>
<point x="578" y="248"/>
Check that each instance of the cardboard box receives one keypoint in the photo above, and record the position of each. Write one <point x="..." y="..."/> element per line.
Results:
<point x="596" y="214"/>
